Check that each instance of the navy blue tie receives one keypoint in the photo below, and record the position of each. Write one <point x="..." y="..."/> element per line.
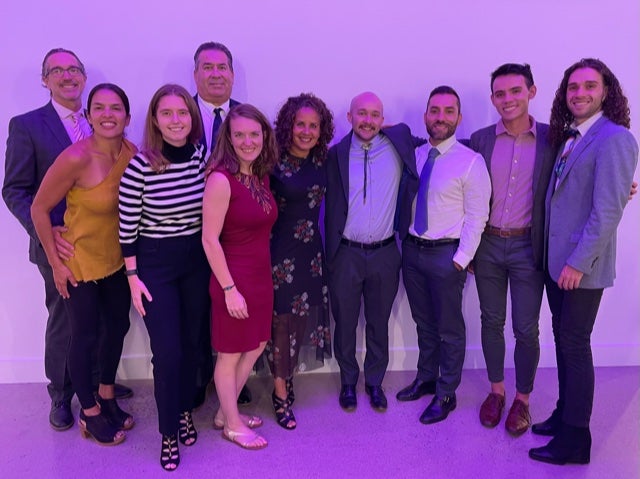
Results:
<point x="217" y="121"/>
<point x="421" y="224"/>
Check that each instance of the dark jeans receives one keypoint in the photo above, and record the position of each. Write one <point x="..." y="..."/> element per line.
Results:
<point x="434" y="290"/>
<point x="498" y="263"/>
<point x="176" y="273"/>
<point x="99" y="316"/>
<point x="573" y="316"/>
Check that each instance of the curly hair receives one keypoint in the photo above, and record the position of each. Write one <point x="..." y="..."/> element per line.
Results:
<point x="224" y="155"/>
<point x="614" y="106"/>
<point x="287" y="115"/>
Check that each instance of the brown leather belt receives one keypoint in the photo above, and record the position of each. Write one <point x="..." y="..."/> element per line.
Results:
<point x="374" y="245"/>
<point x="425" y="243"/>
<point x="507" y="232"/>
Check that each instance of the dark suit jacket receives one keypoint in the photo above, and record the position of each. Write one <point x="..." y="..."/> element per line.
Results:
<point x="203" y="140"/>
<point x="584" y="209"/>
<point x="483" y="142"/>
<point x="337" y="196"/>
<point x="35" y="140"/>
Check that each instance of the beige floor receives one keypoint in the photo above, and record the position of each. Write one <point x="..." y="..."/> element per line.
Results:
<point x="328" y="442"/>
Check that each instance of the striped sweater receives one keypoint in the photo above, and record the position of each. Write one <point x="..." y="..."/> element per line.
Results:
<point x="161" y="205"/>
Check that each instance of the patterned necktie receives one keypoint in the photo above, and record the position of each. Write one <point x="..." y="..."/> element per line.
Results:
<point x="366" y="147"/>
<point x="78" y="133"/>
<point x="421" y="223"/>
<point x="217" y="121"/>
<point x="572" y="136"/>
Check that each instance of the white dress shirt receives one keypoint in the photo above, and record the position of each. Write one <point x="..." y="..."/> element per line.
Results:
<point x="458" y="197"/>
<point x="206" y="111"/>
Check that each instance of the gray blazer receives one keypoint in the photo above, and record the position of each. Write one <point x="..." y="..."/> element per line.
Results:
<point x="35" y="140"/>
<point x="584" y="209"/>
<point x="483" y="141"/>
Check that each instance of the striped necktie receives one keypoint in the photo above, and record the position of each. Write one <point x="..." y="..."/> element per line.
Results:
<point x="78" y="133"/>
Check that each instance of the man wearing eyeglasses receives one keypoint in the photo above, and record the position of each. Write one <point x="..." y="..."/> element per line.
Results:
<point x="35" y="140"/>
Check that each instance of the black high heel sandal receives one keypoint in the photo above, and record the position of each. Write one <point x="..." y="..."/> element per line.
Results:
<point x="291" y="396"/>
<point x="187" y="432"/>
<point x="284" y="413"/>
<point x="100" y="429"/>
<point x="169" y="453"/>
<point x="117" y="417"/>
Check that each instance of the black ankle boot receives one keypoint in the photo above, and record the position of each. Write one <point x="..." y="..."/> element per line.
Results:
<point x="549" y="427"/>
<point x="571" y="445"/>
<point x="100" y="429"/>
<point x="116" y="416"/>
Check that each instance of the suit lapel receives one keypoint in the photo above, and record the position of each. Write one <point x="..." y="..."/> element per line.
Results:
<point x="582" y="145"/>
<point x="541" y="152"/>
<point x="52" y="122"/>
<point x="343" y="163"/>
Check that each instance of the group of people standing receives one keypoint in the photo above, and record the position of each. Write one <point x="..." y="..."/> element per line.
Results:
<point x="212" y="231"/>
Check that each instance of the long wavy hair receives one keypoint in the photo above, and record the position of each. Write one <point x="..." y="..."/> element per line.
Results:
<point x="614" y="106"/>
<point x="224" y="155"/>
<point x="152" y="137"/>
<point x="287" y="115"/>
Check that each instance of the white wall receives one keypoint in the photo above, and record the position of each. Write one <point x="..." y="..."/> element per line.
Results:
<point x="335" y="48"/>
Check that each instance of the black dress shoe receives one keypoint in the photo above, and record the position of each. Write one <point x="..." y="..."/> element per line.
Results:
<point x="245" y="396"/>
<point x="122" y="392"/>
<point x="416" y="390"/>
<point x="60" y="416"/>
<point x="348" y="399"/>
<point x="550" y="427"/>
<point x="438" y="409"/>
<point x="572" y="445"/>
<point x="377" y="399"/>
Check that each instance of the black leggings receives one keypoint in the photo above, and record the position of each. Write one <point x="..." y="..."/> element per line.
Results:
<point x="99" y="316"/>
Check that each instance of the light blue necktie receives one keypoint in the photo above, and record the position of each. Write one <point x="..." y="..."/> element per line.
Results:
<point x="420" y="224"/>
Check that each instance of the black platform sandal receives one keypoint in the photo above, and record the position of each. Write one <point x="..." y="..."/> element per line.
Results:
<point x="284" y="413"/>
<point x="291" y="396"/>
<point x="169" y="454"/>
<point x="116" y="416"/>
<point x="187" y="432"/>
<point x="100" y="429"/>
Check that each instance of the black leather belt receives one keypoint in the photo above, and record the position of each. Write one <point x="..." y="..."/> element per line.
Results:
<point x="507" y="232"/>
<point x="425" y="243"/>
<point x="374" y="245"/>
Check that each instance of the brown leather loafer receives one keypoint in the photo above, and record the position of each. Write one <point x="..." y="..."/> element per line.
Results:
<point x="518" y="420"/>
<point x="491" y="410"/>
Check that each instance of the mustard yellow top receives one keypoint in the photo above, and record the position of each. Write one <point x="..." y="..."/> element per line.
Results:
<point x="92" y="222"/>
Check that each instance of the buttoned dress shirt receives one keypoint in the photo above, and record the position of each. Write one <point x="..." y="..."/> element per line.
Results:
<point x="512" y="164"/>
<point x="372" y="220"/>
<point x="458" y="197"/>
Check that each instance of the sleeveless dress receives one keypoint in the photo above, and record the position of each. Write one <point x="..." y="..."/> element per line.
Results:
<point x="245" y="242"/>
<point x="300" y="288"/>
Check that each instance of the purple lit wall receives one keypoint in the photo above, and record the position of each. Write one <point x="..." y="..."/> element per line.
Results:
<point x="335" y="48"/>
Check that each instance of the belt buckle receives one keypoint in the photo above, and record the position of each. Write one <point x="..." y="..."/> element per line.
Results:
<point x="504" y="233"/>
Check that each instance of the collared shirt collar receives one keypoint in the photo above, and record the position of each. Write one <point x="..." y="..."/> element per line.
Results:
<point x="585" y="125"/>
<point x="62" y="111"/>
<point x="357" y="142"/>
<point x="445" y="145"/>
<point x="210" y="106"/>
<point x="501" y="129"/>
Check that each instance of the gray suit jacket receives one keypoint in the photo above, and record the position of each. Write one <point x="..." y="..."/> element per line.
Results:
<point x="584" y="209"/>
<point x="35" y="140"/>
<point x="484" y="140"/>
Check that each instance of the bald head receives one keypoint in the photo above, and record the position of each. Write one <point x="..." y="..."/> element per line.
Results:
<point x="365" y="116"/>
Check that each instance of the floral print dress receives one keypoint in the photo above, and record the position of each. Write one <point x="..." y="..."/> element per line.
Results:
<point x="300" y="335"/>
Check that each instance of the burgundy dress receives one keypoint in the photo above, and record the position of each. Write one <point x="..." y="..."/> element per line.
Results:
<point x="245" y="242"/>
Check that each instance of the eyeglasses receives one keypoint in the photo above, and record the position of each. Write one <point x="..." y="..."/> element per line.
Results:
<point x="58" y="72"/>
